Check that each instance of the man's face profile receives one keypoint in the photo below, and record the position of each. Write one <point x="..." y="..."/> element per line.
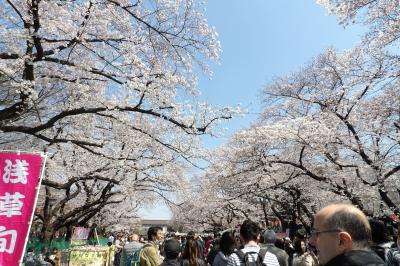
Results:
<point x="327" y="243"/>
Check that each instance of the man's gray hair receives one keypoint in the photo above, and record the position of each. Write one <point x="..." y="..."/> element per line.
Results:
<point x="269" y="237"/>
<point x="353" y="222"/>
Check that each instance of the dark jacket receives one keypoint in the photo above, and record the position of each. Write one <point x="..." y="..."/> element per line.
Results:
<point x="282" y="256"/>
<point x="357" y="258"/>
<point x="220" y="260"/>
<point x="379" y="250"/>
<point x="170" y="262"/>
<point x="186" y="262"/>
<point x="215" y="248"/>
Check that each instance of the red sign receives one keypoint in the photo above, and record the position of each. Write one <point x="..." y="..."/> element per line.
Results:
<point x="20" y="175"/>
<point x="80" y="233"/>
<point x="281" y="235"/>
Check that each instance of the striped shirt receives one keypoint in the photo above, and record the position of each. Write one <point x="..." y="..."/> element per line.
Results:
<point x="269" y="259"/>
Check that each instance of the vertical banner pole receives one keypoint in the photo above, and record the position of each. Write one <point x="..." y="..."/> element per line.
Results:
<point x="97" y="236"/>
<point x="34" y="206"/>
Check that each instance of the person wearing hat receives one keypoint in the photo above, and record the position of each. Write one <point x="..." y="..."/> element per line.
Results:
<point x="172" y="250"/>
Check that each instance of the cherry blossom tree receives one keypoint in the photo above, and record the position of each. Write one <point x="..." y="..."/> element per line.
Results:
<point x="381" y="18"/>
<point x="108" y="89"/>
<point x="329" y="132"/>
<point x="242" y="185"/>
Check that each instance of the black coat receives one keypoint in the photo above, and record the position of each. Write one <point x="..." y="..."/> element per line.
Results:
<point x="357" y="258"/>
<point x="170" y="262"/>
<point x="186" y="262"/>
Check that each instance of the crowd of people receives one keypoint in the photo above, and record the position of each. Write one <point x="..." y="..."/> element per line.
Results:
<point x="341" y="235"/>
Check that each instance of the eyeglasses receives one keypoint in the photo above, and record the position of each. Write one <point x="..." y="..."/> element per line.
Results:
<point x="315" y="232"/>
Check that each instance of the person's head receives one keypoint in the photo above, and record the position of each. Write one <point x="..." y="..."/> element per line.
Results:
<point x="269" y="237"/>
<point x="134" y="237"/>
<point x="155" y="233"/>
<point x="172" y="248"/>
<point x="339" y="228"/>
<point x="191" y="251"/>
<point x="237" y="240"/>
<point x="300" y="234"/>
<point x="378" y="231"/>
<point x="249" y="231"/>
<point x="299" y="246"/>
<point x="227" y="243"/>
<point x="191" y="234"/>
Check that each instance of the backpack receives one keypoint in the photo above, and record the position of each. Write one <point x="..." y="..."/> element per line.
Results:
<point x="244" y="257"/>
<point x="134" y="259"/>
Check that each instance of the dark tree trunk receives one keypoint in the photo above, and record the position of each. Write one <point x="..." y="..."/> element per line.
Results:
<point x="265" y="212"/>
<point x="68" y="234"/>
<point x="384" y="196"/>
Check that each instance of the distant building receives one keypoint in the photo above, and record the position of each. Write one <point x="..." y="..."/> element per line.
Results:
<point x="161" y="223"/>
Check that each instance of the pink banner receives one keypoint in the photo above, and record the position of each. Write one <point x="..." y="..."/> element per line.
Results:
<point x="20" y="175"/>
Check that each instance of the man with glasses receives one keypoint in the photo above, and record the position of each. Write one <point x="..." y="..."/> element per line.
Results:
<point x="342" y="234"/>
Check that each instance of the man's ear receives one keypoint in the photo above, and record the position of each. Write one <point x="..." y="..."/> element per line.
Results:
<point x="345" y="241"/>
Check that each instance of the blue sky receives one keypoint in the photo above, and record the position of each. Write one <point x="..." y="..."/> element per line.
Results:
<point x="261" y="39"/>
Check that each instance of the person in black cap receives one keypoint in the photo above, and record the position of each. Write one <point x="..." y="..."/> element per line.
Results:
<point x="172" y="250"/>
